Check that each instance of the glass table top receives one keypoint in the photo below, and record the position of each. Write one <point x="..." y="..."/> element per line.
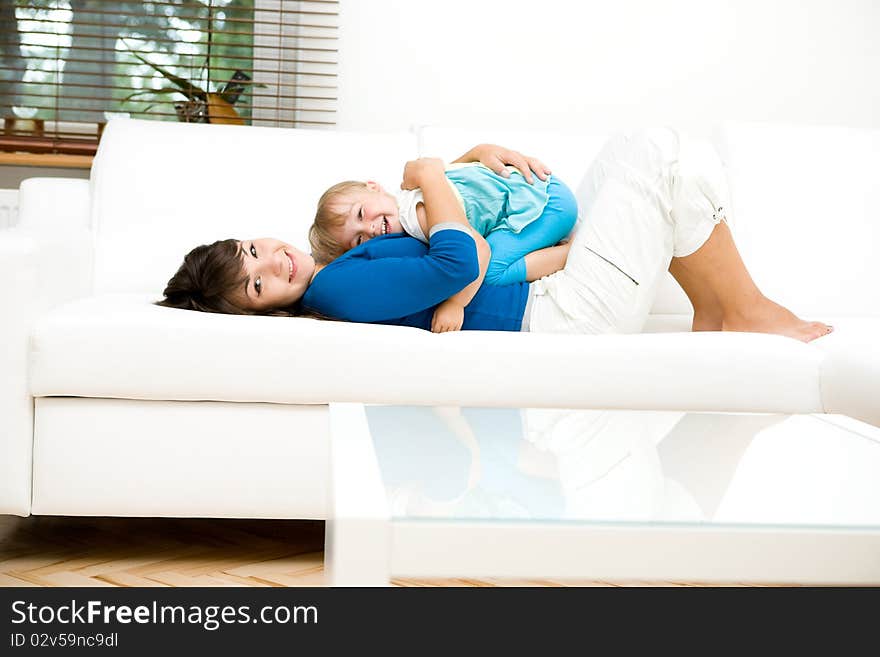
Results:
<point x="627" y="466"/>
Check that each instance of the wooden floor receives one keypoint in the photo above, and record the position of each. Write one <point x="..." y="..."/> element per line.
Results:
<point x="61" y="551"/>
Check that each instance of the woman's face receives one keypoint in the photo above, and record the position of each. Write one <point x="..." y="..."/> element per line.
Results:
<point x="277" y="274"/>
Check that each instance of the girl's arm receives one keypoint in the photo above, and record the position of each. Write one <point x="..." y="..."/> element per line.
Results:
<point x="441" y="205"/>
<point x="544" y="262"/>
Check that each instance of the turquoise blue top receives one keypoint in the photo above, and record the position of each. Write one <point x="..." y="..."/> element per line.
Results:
<point x="491" y="201"/>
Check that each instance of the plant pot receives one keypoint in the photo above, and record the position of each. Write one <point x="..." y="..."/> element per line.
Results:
<point x="221" y="112"/>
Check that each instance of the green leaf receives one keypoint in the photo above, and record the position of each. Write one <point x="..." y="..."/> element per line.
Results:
<point x="188" y="89"/>
<point x="150" y="92"/>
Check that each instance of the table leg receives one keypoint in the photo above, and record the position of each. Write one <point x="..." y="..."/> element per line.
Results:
<point x="358" y="530"/>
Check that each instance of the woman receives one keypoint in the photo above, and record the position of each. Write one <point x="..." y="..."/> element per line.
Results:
<point x="649" y="205"/>
<point x="268" y="276"/>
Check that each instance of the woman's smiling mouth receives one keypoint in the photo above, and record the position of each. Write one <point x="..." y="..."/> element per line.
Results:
<point x="291" y="268"/>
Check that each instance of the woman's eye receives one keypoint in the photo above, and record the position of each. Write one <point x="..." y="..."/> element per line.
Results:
<point x="360" y="213"/>
<point x="258" y="285"/>
<point x="253" y="251"/>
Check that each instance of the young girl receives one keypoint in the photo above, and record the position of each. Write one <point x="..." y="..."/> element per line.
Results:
<point x="515" y="216"/>
<point x="521" y="222"/>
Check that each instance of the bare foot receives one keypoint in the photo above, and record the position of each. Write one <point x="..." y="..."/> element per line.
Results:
<point x="765" y="316"/>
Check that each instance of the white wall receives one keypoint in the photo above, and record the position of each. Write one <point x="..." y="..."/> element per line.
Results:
<point x="579" y="63"/>
<point x="565" y="64"/>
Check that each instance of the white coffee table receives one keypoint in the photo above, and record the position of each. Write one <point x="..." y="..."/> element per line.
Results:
<point x="620" y="495"/>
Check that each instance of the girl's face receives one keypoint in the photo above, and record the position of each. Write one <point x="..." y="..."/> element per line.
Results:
<point x="277" y="274"/>
<point x="369" y="213"/>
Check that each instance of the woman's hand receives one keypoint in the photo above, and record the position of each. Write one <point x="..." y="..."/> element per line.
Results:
<point x="497" y="157"/>
<point x="414" y="171"/>
<point x="448" y="316"/>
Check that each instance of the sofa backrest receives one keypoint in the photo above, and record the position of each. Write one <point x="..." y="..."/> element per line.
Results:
<point x="803" y="213"/>
<point x="568" y="155"/>
<point x="806" y="201"/>
<point x="159" y="189"/>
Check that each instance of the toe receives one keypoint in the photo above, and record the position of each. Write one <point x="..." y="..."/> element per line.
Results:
<point x="817" y="330"/>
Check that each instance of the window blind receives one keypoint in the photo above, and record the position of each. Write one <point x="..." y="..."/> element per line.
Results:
<point x="66" y="66"/>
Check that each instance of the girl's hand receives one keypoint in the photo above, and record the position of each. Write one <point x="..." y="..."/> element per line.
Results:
<point x="414" y="171"/>
<point x="497" y="157"/>
<point x="449" y="316"/>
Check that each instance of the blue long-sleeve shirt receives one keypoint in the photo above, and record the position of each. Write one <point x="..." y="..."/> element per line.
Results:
<point x="396" y="279"/>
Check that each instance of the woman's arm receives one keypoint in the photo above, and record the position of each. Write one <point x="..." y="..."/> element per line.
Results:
<point x="497" y="157"/>
<point x="449" y="315"/>
<point x="389" y="279"/>
<point x="442" y="206"/>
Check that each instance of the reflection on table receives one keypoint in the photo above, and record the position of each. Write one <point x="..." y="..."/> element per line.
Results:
<point x="624" y="466"/>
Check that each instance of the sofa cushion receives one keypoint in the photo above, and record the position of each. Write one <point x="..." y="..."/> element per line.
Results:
<point x="161" y="188"/>
<point x="122" y="346"/>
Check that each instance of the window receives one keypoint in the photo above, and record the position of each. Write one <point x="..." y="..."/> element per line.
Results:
<point x="67" y="65"/>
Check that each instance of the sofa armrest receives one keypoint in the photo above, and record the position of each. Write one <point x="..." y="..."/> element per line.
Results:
<point x="39" y="270"/>
<point x="850" y="379"/>
<point x="53" y="203"/>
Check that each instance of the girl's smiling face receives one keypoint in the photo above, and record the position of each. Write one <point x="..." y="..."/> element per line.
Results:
<point x="368" y="214"/>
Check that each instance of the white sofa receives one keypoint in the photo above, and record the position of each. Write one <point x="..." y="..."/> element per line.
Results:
<point x="110" y="405"/>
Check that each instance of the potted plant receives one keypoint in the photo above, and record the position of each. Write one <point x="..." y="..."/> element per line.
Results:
<point x="200" y="106"/>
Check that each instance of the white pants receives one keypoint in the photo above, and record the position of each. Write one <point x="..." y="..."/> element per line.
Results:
<point x="647" y="197"/>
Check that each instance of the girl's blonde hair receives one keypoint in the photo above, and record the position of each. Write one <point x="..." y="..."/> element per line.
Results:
<point x="331" y="215"/>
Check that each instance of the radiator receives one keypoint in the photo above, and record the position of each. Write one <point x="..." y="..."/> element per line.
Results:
<point x="8" y="208"/>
